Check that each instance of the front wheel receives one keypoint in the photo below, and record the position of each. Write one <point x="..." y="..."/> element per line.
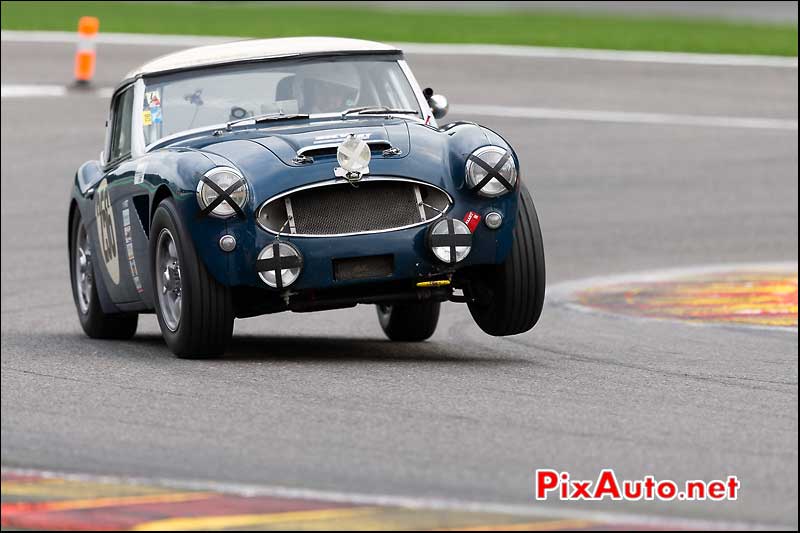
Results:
<point x="516" y="286"/>
<point x="195" y="311"/>
<point x="409" y="322"/>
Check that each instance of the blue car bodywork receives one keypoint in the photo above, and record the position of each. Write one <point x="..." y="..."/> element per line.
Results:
<point x="296" y="174"/>
<point x="264" y="154"/>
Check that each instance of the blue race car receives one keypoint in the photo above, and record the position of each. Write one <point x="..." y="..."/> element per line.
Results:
<point x="296" y="174"/>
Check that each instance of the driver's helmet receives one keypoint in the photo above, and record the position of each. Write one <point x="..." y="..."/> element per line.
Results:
<point x="330" y="87"/>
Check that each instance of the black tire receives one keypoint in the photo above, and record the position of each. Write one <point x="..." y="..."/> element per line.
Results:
<point x="205" y="324"/>
<point x="516" y="286"/>
<point x="410" y="322"/>
<point x="95" y="323"/>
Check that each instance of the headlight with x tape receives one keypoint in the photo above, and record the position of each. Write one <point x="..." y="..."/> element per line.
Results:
<point x="222" y="192"/>
<point x="491" y="171"/>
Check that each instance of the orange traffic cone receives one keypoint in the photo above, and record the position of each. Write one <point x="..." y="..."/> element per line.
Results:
<point x="85" y="55"/>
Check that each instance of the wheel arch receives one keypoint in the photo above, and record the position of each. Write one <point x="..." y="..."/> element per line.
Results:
<point x="106" y="304"/>
<point x="162" y="192"/>
<point x="73" y="209"/>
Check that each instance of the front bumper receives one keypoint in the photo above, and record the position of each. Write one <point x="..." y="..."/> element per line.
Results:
<point x="411" y="256"/>
<point x="412" y="259"/>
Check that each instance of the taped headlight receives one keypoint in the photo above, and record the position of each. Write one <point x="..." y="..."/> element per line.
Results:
<point x="491" y="171"/>
<point x="450" y="240"/>
<point x="222" y="192"/>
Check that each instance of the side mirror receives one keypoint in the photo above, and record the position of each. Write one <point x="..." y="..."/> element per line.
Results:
<point x="102" y="158"/>
<point x="437" y="102"/>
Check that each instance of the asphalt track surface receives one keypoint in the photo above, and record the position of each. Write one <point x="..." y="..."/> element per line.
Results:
<point x="323" y="401"/>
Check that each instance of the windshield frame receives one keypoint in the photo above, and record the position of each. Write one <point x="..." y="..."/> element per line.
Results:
<point x="139" y="147"/>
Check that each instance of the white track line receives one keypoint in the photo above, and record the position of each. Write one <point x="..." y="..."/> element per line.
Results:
<point x="51" y="91"/>
<point x="544" y="113"/>
<point x="533" y="52"/>
<point x="532" y="510"/>
<point x="135" y="39"/>
<point x="626" y="117"/>
<point x="542" y="52"/>
<point x="32" y="91"/>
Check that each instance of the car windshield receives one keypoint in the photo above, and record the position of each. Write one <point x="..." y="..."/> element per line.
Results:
<point x="218" y="95"/>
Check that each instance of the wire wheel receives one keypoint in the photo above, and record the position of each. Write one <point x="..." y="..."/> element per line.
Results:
<point x="83" y="271"/>
<point x="168" y="280"/>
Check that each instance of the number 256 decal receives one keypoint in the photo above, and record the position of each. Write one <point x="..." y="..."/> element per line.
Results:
<point x="106" y="231"/>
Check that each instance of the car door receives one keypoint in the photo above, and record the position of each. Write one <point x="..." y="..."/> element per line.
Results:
<point x="118" y="232"/>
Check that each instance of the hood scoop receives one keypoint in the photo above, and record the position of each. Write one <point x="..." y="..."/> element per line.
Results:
<point x="304" y="147"/>
<point x="376" y="146"/>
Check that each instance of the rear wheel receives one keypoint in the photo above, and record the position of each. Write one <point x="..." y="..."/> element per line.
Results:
<point x="516" y="287"/>
<point x="410" y="322"/>
<point x="194" y="311"/>
<point x="95" y="323"/>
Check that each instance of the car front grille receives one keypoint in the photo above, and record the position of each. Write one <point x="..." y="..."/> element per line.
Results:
<point x="340" y="208"/>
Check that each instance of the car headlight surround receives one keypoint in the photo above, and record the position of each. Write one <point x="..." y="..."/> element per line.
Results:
<point x="491" y="171"/>
<point x="225" y="182"/>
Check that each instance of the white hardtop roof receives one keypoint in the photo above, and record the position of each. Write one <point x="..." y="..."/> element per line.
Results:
<point x="254" y="50"/>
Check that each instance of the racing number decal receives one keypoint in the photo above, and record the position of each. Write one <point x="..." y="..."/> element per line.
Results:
<point x="106" y="232"/>
<point x="106" y="222"/>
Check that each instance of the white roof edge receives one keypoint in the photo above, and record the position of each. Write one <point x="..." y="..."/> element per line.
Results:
<point x="257" y="49"/>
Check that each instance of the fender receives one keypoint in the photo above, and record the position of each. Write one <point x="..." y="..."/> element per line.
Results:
<point x="465" y="138"/>
<point x="175" y="173"/>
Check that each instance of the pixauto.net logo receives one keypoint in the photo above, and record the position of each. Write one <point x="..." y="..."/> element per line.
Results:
<point x="550" y="483"/>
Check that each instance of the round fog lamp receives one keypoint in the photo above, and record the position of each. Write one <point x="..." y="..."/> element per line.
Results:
<point x="450" y="240"/>
<point x="279" y="264"/>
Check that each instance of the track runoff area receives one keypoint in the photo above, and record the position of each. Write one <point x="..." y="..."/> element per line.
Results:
<point x="760" y="296"/>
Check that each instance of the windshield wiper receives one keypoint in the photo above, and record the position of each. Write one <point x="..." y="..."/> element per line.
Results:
<point x="378" y="110"/>
<point x="269" y="117"/>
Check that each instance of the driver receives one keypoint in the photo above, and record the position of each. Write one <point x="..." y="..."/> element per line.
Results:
<point x="329" y="91"/>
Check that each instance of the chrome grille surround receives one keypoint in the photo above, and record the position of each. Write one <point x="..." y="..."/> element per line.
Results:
<point x="336" y="209"/>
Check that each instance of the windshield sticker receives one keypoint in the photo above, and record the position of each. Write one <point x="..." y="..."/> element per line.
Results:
<point x="151" y="113"/>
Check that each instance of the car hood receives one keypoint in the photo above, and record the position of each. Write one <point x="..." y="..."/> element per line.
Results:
<point x="267" y="156"/>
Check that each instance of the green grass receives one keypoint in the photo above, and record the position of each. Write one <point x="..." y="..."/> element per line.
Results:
<point x="248" y="19"/>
